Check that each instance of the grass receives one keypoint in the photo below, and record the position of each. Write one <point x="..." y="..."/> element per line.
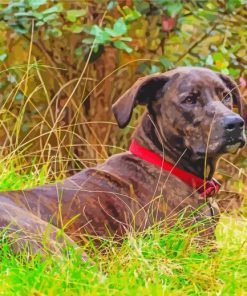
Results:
<point x="154" y="263"/>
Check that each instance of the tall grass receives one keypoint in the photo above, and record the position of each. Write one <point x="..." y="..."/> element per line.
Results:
<point x="150" y="263"/>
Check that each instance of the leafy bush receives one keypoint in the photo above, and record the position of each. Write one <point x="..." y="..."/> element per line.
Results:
<point x="63" y="64"/>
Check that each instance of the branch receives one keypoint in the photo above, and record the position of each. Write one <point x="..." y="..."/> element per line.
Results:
<point x="195" y="44"/>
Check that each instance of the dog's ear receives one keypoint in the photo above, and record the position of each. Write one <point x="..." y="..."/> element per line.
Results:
<point x="143" y="91"/>
<point x="238" y="100"/>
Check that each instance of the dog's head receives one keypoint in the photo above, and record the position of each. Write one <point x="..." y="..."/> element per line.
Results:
<point x="191" y="107"/>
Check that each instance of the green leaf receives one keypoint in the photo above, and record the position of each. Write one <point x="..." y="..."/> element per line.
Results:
<point x="166" y="63"/>
<point x="95" y="30"/>
<point x="223" y="49"/>
<point x="87" y="29"/>
<point x="142" y="6"/>
<point x="232" y="4"/>
<point x="154" y="69"/>
<point x="78" y="52"/>
<point x="38" y="15"/>
<point x="50" y="17"/>
<point x="24" y="14"/>
<point x="130" y="15"/>
<point x="128" y="39"/>
<point x="56" y="32"/>
<point x="88" y="40"/>
<point x="19" y="29"/>
<point x="9" y="8"/>
<point x="72" y="15"/>
<point x="111" y="32"/>
<point x="55" y="23"/>
<point x="208" y="15"/>
<point x="36" y="3"/>
<point x="121" y="45"/>
<point x="120" y="27"/>
<point x="218" y="56"/>
<point x="144" y="68"/>
<point x="39" y="24"/>
<point x="234" y="72"/>
<point x="11" y="78"/>
<point x="209" y="60"/>
<point x="3" y="56"/>
<point x="174" y="8"/>
<point x="224" y="71"/>
<point x="74" y="28"/>
<point x="54" y="9"/>
<point x="112" y="4"/>
<point x="102" y="36"/>
<point x="19" y="96"/>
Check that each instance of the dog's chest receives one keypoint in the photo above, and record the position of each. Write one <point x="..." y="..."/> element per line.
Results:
<point x="155" y="193"/>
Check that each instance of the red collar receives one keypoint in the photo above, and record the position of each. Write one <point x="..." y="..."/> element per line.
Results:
<point x="205" y="188"/>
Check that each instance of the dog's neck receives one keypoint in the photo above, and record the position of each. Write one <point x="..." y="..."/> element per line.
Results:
<point x="147" y="135"/>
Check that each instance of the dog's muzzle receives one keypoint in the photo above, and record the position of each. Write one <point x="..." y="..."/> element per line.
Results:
<point x="233" y="133"/>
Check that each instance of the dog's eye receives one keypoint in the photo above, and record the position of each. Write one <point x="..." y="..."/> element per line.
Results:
<point x="191" y="100"/>
<point x="227" y="98"/>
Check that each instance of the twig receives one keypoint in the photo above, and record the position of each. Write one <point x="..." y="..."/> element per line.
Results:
<point x="203" y="37"/>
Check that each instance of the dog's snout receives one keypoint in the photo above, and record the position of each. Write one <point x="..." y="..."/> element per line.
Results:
<point x="233" y="123"/>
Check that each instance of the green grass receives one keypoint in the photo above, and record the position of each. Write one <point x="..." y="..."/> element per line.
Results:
<point x="154" y="263"/>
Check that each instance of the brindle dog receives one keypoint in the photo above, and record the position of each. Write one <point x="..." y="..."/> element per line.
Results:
<point x="189" y="120"/>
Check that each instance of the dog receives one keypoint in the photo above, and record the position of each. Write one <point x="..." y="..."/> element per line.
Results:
<point x="167" y="173"/>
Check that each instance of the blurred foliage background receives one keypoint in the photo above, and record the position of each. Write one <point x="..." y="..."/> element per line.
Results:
<point x="63" y="63"/>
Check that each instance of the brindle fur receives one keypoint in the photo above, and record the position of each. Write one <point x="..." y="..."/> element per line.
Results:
<point x="126" y="193"/>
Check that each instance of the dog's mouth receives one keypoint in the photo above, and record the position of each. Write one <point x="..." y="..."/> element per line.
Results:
<point x="214" y="149"/>
<point x="233" y="145"/>
<point x="233" y="148"/>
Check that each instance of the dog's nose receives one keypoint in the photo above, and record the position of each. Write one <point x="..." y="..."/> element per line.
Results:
<point x="233" y="123"/>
